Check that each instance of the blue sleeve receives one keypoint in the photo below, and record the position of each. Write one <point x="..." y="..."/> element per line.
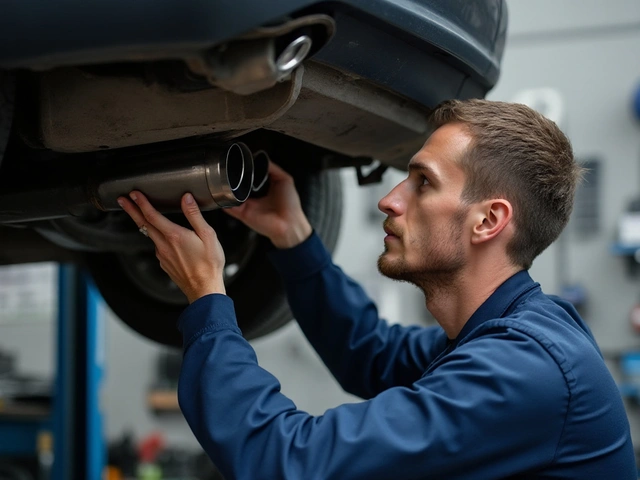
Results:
<point x="492" y="409"/>
<point x="365" y="354"/>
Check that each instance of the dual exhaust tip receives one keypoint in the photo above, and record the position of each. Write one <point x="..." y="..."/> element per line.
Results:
<point x="246" y="174"/>
<point x="217" y="178"/>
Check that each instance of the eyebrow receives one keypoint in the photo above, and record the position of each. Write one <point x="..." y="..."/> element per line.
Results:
<point x="423" y="167"/>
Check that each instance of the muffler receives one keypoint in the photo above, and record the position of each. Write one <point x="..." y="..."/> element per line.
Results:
<point x="217" y="178"/>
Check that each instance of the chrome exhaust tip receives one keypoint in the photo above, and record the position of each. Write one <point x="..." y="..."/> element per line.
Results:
<point x="230" y="179"/>
<point x="217" y="178"/>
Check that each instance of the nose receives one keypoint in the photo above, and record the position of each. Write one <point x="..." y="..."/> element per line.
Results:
<point x="391" y="204"/>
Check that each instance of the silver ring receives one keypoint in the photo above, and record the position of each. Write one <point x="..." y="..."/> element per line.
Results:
<point x="143" y="230"/>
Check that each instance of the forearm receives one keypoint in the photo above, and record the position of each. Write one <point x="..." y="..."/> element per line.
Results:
<point x="224" y="396"/>
<point x="295" y="233"/>
<point x="237" y="413"/>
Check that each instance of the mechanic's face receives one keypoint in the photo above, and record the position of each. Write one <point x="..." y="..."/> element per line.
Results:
<point x="426" y="218"/>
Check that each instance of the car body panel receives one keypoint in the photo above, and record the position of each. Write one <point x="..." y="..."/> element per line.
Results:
<point x="388" y="42"/>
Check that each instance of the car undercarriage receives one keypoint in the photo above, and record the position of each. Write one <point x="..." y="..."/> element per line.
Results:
<point x="95" y="114"/>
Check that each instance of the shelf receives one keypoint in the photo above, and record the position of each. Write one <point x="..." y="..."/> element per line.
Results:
<point x="24" y="411"/>
<point x="19" y="435"/>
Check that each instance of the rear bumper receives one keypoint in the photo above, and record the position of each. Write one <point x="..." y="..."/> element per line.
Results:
<point x="391" y="42"/>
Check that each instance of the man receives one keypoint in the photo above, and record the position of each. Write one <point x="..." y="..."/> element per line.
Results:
<point x="510" y="385"/>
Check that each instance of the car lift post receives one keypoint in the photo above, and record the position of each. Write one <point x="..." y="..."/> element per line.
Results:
<point x="79" y="450"/>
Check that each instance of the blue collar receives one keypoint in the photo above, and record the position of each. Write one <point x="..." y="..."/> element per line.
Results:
<point x="499" y="304"/>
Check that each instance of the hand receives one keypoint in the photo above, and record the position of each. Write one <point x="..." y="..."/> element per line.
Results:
<point x="194" y="260"/>
<point x="279" y="215"/>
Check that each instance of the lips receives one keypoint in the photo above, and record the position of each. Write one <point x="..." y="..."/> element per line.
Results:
<point x="388" y="230"/>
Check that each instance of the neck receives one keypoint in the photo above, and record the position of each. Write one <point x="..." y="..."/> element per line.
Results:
<point x="453" y="300"/>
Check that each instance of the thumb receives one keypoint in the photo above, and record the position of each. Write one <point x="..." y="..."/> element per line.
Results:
<point x="194" y="215"/>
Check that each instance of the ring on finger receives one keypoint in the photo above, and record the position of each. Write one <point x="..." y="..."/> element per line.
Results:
<point x="143" y="230"/>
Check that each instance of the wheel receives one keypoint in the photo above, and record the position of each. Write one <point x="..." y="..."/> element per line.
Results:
<point x="143" y="297"/>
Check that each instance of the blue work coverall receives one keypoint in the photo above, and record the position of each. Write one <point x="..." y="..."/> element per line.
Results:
<point x="522" y="392"/>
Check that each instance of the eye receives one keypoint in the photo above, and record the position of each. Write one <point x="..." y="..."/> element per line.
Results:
<point x="424" y="181"/>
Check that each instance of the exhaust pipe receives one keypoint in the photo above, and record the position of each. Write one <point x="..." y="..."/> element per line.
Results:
<point x="217" y="178"/>
<point x="260" y="185"/>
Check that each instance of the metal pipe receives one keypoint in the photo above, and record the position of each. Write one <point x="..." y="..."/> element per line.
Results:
<point x="260" y="185"/>
<point x="217" y="178"/>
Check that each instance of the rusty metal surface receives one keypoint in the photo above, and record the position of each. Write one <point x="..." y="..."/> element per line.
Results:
<point x="353" y="117"/>
<point x="82" y="112"/>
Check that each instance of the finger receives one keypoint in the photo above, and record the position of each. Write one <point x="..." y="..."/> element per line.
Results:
<point x="194" y="215"/>
<point x="132" y="210"/>
<point x="151" y="215"/>
<point x="276" y="172"/>
<point x="136" y="215"/>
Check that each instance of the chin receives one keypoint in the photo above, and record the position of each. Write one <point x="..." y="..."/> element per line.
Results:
<point x="395" y="270"/>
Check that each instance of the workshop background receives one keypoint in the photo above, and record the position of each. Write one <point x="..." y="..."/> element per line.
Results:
<point x="579" y="63"/>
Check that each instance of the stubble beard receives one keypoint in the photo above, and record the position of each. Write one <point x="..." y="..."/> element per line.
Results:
<point x="441" y="266"/>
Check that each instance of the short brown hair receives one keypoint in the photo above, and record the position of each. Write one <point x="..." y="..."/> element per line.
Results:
<point x="521" y="156"/>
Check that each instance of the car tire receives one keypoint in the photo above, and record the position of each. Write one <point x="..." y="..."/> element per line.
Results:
<point x="257" y="290"/>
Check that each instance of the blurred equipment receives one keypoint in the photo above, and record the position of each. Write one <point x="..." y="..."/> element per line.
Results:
<point x="162" y="397"/>
<point x="153" y="458"/>
<point x="629" y="225"/>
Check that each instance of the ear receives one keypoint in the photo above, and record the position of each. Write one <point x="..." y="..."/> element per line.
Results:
<point x="491" y="218"/>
